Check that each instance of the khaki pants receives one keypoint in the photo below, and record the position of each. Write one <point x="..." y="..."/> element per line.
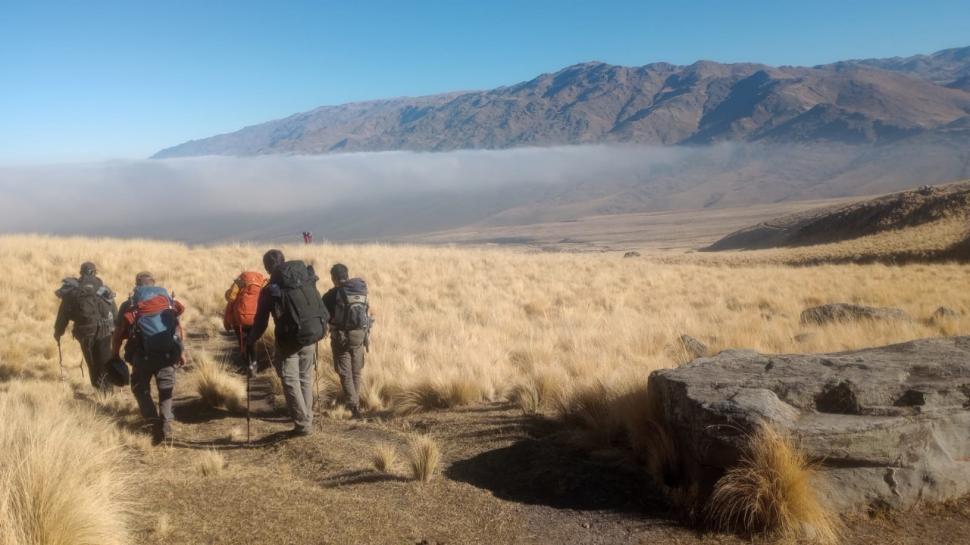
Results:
<point x="297" y="371"/>
<point x="348" y="362"/>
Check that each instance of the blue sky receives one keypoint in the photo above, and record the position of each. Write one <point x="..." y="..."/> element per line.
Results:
<point x="85" y="81"/>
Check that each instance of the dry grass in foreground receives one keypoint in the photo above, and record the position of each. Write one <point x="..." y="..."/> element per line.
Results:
<point x="423" y="457"/>
<point x="385" y="458"/>
<point x="63" y="476"/>
<point x="770" y="492"/>
<point x="216" y="385"/>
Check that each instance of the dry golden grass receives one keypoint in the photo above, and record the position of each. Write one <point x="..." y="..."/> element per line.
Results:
<point x="385" y="458"/>
<point x="63" y="476"/>
<point x="216" y="385"/>
<point x="163" y="526"/>
<point x="210" y="463"/>
<point x="576" y="334"/>
<point x="923" y="240"/>
<point x="459" y="326"/>
<point x="423" y="457"/>
<point x="770" y="492"/>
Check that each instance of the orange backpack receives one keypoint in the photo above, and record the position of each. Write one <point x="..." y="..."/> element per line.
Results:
<point x="243" y="306"/>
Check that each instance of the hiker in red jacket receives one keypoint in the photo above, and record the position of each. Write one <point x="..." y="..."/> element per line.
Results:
<point x="148" y="326"/>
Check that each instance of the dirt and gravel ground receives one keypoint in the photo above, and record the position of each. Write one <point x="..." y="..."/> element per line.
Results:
<point x="504" y="478"/>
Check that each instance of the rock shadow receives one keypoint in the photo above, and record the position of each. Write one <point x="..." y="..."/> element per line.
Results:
<point x="544" y="471"/>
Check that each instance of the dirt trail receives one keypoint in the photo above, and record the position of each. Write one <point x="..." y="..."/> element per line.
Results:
<point x="504" y="478"/>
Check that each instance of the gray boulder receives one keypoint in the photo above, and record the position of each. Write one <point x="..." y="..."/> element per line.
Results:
<point x="889" y="426"/>
<point x="842" y="312"/>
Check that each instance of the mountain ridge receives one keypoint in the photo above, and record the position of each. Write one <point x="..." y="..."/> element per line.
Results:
<point x="854" y="101"/>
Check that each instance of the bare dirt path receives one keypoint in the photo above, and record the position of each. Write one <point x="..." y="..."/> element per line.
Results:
<point x="504" y="478"/>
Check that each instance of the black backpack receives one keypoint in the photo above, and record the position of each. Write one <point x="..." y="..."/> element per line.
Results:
<point x="302" y="318"/>
<point x="93" y="306"/>
<point x="351" y="307"/>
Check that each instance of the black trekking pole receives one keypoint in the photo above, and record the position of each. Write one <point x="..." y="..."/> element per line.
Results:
<point x="249" y="377"/>
<point x="60" y="358"/>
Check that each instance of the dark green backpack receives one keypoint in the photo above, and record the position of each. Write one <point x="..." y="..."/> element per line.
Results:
<point x="302" y="319"/>
<point x="93" y="305"/>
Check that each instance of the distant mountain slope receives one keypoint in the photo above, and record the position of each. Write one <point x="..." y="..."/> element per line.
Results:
<point x="662" y="104"/>
<point x="948" y="67"/>
<point x="945" y="205"/>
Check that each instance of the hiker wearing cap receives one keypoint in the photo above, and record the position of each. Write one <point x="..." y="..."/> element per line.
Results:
<point x="292" y="299"/>
<point x="350" y="322"/>
<point x="90" y="304"/>
<point x="148" y="327"/>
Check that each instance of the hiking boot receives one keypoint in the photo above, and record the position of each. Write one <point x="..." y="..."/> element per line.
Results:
<point x="300" y="431"/>
<point x="158" y="433"/>
<point x="161" y="432"/>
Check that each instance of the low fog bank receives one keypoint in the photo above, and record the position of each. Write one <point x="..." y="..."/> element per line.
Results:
<point x="91" y="195"/>
<point x="382" y="195"/>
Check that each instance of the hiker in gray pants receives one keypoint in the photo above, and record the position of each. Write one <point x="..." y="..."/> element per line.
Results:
<point x="297" y="371"/>
<point x="141" y="386"/>
<point x="292" y="299"/>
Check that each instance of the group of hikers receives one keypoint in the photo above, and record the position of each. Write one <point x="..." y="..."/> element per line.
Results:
<point x="147" y="328"/>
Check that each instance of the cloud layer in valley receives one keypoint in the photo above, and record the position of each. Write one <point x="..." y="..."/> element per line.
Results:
<point x="380" y="196"/>
<point x="55" y="198"/>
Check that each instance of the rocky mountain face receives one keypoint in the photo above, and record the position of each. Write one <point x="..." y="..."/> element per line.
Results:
<point x="859" y="101"/>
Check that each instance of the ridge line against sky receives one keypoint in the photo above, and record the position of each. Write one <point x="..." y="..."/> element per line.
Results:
<point x="102" y="80"/>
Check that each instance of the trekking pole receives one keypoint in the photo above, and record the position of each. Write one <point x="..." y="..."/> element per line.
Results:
<point x="249" y="378"/>
<point x="60" y="359"/>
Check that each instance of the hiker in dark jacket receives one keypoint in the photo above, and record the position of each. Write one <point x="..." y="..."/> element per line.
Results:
<point x="350" y="322"/>
<point x="300" y="319"/>
<point x="91" y="306"/>
<point x="151" y="354"/>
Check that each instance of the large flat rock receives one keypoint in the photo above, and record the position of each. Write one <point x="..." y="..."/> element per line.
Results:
<point x="888" y="426"/>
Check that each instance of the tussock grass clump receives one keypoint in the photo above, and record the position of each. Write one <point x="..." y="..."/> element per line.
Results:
<point x="770" y="492"/>
<point x="385" y="458"/>
<point x="424" y="396"/>
<point x="217" y="386"/>
<point x="423" y="457"/>
<point x="464" y="391"/>
<point x="538" y="392"/>
<point x="63" y="476"/>
<point x="210" y="463"/>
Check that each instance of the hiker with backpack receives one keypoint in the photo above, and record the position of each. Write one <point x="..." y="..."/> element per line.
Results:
<point x="90" y="304"/>
<point x="292" y="299"/>
<point x="350" y="324"/>
<point x="149" y="328"/>
<point x="242" y="299"/>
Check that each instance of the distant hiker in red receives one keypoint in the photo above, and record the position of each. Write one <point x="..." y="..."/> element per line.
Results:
<point x="148" y="326"/>
<point x="306" y="237"/>
<point x="309" y="237"/>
